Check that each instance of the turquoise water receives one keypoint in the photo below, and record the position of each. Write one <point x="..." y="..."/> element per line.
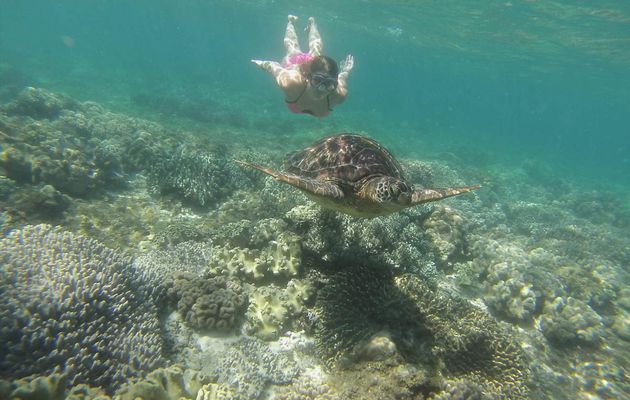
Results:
<point x="503" y="81"/>
<point x="529" y="99"/>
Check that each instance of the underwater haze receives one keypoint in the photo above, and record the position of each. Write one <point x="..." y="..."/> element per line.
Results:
<point x="509" y="81"/>
<point x="140" y="257"/>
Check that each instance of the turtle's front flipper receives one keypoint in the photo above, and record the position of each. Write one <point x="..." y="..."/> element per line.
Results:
<point x="427" y="195"/>
<point x="312" y="186"/>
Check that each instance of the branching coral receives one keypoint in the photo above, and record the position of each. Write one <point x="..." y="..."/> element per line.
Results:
<point x="245" y="365"/>
<point x="202" y="177"/>
<point x="426" y="324"/>
<point x="396" y="240"/>
<point x="470" y="343"/>
<point x="354" y="304"/>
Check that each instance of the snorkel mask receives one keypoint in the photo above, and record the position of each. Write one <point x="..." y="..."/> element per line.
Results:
<point x="323" y="82"/>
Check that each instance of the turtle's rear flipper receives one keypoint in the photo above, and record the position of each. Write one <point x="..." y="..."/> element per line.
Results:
<point x="308" y="185"/>
<point x="428" y="195"/>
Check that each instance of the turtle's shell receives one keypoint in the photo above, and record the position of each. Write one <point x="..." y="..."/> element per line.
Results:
<point x="345" y="157"/>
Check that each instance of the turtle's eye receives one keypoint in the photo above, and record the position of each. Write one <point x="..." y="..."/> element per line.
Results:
<point x="393" y="191"/>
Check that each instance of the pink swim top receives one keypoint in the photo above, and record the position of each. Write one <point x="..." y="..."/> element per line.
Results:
<point x="299" y="58"/>
<point x="294" y="108"/>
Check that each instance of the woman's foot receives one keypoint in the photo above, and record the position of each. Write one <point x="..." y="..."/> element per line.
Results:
<point x="311" y="23"/>
<point x="292" y="18"/>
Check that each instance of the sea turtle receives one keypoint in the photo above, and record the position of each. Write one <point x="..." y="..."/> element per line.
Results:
<point x="355" y="175"/>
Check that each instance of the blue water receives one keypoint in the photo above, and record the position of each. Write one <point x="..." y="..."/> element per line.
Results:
<point x="505" y="81"/>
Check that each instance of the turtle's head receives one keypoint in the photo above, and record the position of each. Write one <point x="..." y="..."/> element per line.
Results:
<point x="388" y="192"/>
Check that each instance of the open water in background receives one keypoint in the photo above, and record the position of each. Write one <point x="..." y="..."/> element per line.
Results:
<point x="505" y="81"/>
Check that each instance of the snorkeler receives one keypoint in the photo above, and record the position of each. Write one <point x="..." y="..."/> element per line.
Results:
<point x="312" y="83"/>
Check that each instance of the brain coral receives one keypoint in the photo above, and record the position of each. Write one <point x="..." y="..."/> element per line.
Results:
<point x="69" y="303"/>
<point x="206" y="303"/>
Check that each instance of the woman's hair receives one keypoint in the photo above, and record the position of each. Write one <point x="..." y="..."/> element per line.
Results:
<point x="322" y="65"/>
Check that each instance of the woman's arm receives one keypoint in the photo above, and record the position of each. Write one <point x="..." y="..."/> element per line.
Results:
<point x="342" y="79"/>
<point x="273" y="67"/>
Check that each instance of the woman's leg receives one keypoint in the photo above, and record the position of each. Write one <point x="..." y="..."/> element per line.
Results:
<point x="291" y="40"/>
<point x="315" y="44"/>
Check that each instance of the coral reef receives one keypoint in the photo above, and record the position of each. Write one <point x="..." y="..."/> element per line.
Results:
<point x="542" y="253"/>
<point x="247" y="366"/>
<point x="70" y="304"/>
<point x="175" y="232"/>
<point x="208" y="303"/>
<point x="174" y="383"/>
<point x="273" y="310"/>
<point x="52" y="387"/>
<point x="79" y="149"/>
<point x="469" y="342"/>
<point x="155" y="266"/>
<point x="446" y="231"/>
<point x="398" y="240"/>
<point x="459" y="390"/>
<point x="257" y="251"/>
<point x="380" y="380"/>
<point x="306" y="387"/>
<point x="202" y="177"/>
<point x="425" y="324"/>
<point x="36" y="203"/>
<point x="515" y="282"/>
<point x="39" y="104"/>
<point x="570" y="322"/>
<point x="509" y="292"/>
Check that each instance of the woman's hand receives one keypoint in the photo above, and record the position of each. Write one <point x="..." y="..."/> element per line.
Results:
<point x="259" y="63"/>
<point x="347" y="64"/>
<point x="272" y="67"/>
